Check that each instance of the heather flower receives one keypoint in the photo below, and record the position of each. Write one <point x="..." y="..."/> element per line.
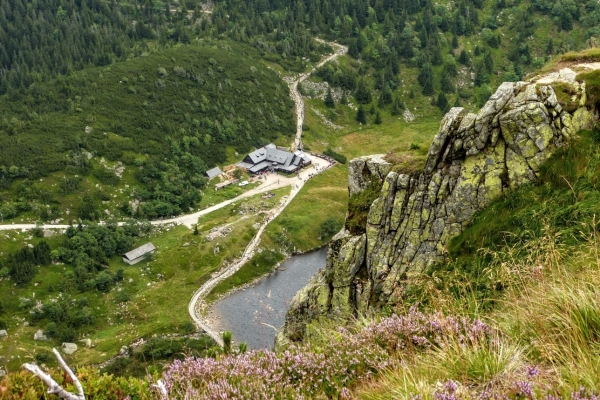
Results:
<point x="524" y="388"/>
<point x="582" y="394"/>
<point x="448" y="392"/>
<point x="532" y="372"/>
<point x="324" y="371"/>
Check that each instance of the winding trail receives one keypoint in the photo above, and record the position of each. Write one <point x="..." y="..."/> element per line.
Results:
<point x="297" y="97"/>
<point x="194" y="305"/>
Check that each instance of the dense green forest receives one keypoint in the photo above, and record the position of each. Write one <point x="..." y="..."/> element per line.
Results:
<point x="165" y="88"/>
<point x="168" y="116"/>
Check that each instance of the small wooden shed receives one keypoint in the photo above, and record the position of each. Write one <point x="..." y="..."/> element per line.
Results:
<point x="137" y="255"/>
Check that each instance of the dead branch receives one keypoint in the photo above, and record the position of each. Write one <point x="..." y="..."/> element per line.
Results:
<point x="53" y="386"/>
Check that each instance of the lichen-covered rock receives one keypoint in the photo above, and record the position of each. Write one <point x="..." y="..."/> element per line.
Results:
<point x="471" y="161"/>
<point x="69" y="348"/>
<point x="363" y="169"/>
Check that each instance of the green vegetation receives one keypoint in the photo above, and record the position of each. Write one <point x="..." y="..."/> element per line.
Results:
<point x="336" y="156"/>
<point x="89" y="292"/>
<point x="592" y="80"/>
<point x="157" y="352"/>
<point x="330" y="227"/>
<point x="97" y="111"/>
<point x="166" y="117"/>
<point x="359" y="205"/>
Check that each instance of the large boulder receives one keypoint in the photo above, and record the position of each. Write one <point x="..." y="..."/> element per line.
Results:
<point x="69" y="348"/>
<point x="3" y="333"/>
<point x="39" y="335"/>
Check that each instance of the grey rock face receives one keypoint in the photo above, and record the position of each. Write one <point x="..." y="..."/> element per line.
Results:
<point x="3" y="333"/>
<point x="69" y="348"/>
<point x="471" y="161"/>
<point x="363" y="169"/>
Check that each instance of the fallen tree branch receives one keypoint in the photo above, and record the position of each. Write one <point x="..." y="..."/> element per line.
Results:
<point x="53" y="386"/>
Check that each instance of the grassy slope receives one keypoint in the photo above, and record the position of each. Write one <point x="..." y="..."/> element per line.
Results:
<point x="156" y="306"/>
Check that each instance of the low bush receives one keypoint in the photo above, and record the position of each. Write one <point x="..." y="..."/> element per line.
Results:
<point x="330" y="227"/>
<point x="336" y="156"/>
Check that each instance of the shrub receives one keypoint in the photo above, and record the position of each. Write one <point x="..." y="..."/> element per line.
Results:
<point x="122" y="296"/>
<point x="106" y="176"/>
<point x="322" y="370"/>
<point x="336" y="156"/>
<point x="330" y="227"/>
<point x="104" y="281"/>
<point x="43" y="357"/>
<point x="69" y="185"/>
<point x="67" y="334"/>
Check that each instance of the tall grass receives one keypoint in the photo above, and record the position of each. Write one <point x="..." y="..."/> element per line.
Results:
<point x="558" y="317"/>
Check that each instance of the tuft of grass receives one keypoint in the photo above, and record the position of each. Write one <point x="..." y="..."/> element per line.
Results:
<point x="478" y="365"/>
<point x="558" y="320"/>
<point x="592" y="81"/>
<point x="564" y="93"/>
<point x="588" y="55"/>
<point x="359" y="205"/>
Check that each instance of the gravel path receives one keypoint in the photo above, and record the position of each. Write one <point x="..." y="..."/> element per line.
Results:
<point x="194" y="306"/>
<point x="297" y="97"/>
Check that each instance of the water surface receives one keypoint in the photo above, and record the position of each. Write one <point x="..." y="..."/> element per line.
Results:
<point x="253" y="315"/>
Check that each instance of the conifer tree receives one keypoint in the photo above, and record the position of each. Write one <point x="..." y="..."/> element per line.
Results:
<point x="362" y="95"/>
<point x="329" y="101"/>
<point x="361" y="115"/>
<point x="378" y="120"/>
<point x="397" y="106"/>
<point x="446" y="83"/>
<point x="344" y="99"/>
<point x="426" y="79"/>
<point x="463" y="58"/>
<point x="442" y="102"/>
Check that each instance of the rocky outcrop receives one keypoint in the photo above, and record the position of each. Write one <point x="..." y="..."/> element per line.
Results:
<point x="472" y="160"/>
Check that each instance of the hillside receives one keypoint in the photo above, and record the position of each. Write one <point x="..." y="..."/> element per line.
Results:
<point x="511" y="309"/>
<point x="431" y="56"/>
<point x="467" y="265"/>
<point x="146" y="128"/>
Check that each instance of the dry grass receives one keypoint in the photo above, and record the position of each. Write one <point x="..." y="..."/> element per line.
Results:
<point x="571" y="59"/>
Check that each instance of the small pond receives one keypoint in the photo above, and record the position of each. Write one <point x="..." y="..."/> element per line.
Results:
<point x="254" y="314"/>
